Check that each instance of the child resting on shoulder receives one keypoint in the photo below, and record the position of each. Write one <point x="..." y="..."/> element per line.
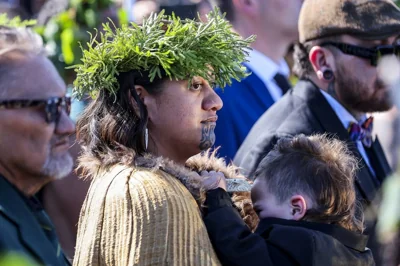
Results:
<point x="305" y="198"/>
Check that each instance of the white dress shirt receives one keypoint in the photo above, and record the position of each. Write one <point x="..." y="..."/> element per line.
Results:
<point x="346" y="118"/>
<point x="266" y="69"/>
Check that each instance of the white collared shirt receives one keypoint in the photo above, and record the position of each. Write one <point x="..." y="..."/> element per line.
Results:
<point x="346" y="118"/>
<point x="266" y="69"/>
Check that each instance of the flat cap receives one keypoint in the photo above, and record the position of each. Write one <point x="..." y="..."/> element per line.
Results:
<point x="365" y="19"/>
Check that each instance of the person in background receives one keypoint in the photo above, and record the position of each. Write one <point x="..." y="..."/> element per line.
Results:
<point x="305" y="198"/>
<point x="341" y="45"/>
<point x="274" y="22"/>
<point x="34" y="142"/>
<point x="63" y="198"/>
<point x="142" y="9"/>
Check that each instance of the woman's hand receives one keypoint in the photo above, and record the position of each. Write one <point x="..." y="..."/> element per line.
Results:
<point x="213" y="180"/>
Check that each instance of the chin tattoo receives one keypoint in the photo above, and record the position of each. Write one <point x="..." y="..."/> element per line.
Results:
<point x="207" y="136"/>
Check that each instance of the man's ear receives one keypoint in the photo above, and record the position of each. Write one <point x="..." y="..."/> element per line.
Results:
<point x="321" y="60"/>
<point x="298" y="207"/>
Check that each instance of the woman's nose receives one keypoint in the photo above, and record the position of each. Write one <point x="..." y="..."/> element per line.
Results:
<point x="213" y="101"/>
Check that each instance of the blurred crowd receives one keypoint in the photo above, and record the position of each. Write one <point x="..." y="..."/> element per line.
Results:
<point x="245" y="132"/>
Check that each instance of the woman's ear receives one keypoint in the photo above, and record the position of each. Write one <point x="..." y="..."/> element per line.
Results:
<point x="298" y="207"/>
<point x="146" y="98"/>
<point x="141" y="92"/>
<point x="142" y="95"/>
<point x="321" y="60"/>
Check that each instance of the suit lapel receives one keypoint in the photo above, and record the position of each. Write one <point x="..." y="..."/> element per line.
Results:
<point x="332" y="125"/>
<point x="378" y="160"/>
<point x="31" y="234"/>
<point x="259" y="88"/>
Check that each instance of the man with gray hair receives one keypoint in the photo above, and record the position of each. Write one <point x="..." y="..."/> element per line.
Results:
<point x="34" y="143"/>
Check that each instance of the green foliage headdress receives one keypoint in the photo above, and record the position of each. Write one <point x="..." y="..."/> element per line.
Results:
<point x="179" y="48"/>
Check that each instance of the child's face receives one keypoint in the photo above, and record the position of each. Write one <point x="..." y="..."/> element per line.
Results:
<point x="267" y="205"/>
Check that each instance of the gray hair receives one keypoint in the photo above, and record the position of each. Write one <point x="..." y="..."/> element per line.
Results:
<point x="23" y="40"/>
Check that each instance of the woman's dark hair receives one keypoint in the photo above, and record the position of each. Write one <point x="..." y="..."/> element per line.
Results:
<point x="111" y="129"/>
<point x="226" y="6"/>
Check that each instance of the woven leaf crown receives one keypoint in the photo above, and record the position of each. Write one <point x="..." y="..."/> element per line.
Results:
<point x="179" y="48"/>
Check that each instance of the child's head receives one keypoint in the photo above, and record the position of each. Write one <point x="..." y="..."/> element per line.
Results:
<point x="308" y="178"/>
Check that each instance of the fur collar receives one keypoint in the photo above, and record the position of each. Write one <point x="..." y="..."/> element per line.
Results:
<point x="189" y="177"/>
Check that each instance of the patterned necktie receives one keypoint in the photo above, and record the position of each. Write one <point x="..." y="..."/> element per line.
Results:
<point x="282" y="82"/>
<point x="362" y="132"/>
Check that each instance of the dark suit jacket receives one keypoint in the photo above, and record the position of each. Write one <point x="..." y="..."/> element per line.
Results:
<point x="305" y="110"/>
<point x="20" y="231"/>
<point x="280" y="242"/>
<point x="244" y="103"/>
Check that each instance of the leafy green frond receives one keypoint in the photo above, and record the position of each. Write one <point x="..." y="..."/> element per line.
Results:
<point x="15" y="22"/>
<point x="181" y="48"/>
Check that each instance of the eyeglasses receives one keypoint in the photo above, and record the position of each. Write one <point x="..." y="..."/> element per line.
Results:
<point x="373" y="54"/>
<point x="53" y="106"/>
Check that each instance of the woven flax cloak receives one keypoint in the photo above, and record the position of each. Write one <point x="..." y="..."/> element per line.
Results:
<point x="147" y="215"/>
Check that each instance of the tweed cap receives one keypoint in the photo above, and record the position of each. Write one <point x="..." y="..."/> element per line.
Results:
<point x="365" y="19"/>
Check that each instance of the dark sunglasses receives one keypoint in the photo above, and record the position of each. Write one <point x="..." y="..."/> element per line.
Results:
<point x="373" y="54"/>
<point x="53" y="106"/>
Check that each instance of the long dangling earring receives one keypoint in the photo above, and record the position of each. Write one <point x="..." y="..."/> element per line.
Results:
<point x="146" y="138"/>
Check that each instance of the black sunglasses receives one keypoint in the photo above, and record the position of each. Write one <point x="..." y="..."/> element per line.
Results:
<point x="373" y="54"/>
<point x="53" y="106"/>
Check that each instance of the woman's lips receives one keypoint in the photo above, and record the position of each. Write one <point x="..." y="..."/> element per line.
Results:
<point x="211" y="119"/>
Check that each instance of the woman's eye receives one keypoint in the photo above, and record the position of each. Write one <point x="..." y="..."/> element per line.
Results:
<point x="197" y="86"/>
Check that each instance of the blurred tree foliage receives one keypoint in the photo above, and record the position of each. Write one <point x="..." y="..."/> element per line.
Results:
<point x="15" y="259"/>
<point x="63" y="34"/>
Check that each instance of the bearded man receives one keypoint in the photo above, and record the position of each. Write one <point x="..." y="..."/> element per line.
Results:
<point x="34" y="144"/>
<point x="341" y="44"/>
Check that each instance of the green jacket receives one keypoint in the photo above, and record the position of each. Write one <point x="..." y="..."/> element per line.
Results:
<point x="20" y="232"/>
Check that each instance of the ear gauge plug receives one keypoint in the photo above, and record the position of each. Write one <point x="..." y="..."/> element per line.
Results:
<point x="328" y="75"/>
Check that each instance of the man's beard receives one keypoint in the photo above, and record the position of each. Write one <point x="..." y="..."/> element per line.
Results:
<point x="351" y="94"/>
<point x="58" y="167"/>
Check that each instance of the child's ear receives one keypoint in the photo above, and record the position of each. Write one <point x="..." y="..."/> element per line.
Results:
<point x="298" y="207"/>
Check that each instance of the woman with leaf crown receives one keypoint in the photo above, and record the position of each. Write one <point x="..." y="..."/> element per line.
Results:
<point x="154" y="108"/>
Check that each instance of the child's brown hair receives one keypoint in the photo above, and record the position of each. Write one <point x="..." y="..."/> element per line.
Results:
<point x="320" y="167"/>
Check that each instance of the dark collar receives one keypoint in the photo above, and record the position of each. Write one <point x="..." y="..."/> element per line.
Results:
<point x="33" y="203"/>
<point x="348" y="238"/>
